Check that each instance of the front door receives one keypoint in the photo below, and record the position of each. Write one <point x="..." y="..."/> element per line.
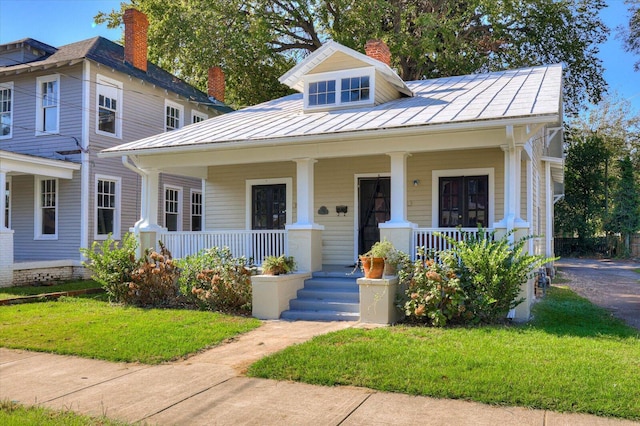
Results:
<point x="464" y="201"/>
<point x="374" y="198"/>
<point x="269" y="210"/>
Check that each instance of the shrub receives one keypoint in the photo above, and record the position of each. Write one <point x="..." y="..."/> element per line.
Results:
<point x="276" y="265"/>
<point x="112" y="264"/>
<point x="215" y="280"/>
<point x="155" y="281"/>
<point x="434" y="294"/>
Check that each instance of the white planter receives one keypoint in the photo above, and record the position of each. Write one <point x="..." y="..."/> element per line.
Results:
<point x="378" y="300"/>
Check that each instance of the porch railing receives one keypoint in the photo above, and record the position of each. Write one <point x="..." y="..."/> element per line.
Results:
<point x="254" y="245"/>
<point x="427" y="238"/>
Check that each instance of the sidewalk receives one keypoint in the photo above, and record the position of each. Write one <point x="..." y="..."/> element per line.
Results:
<point x="209" y="389"/>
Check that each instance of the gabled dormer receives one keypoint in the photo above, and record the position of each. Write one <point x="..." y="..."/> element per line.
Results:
<point x="337" y="77"/>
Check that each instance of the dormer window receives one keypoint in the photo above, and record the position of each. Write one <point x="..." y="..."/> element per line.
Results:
<point x="339" y="89"/>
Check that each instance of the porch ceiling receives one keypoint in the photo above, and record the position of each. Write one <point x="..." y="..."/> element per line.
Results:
<point x="17" y="164"/>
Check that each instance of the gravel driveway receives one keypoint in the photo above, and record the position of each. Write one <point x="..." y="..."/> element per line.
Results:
<point x="612" y="284"/>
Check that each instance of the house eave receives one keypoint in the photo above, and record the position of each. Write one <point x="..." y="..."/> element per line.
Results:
<point x="30" y="164"/>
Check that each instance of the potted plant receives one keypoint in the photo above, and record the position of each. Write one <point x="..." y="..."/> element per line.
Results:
<point x="381" y="259"/>
<point x="277" y="265"/>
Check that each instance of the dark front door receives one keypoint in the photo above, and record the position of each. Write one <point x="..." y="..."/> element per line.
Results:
<point x="464" y="201"/>
<point x="374" y="197"/>
<point x="269" y="206"/>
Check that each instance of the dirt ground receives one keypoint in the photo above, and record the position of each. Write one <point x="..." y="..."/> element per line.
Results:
<point x="612" y="284"/>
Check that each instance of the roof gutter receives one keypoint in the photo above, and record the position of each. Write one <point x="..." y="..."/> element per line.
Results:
<point x="330" y="137"/>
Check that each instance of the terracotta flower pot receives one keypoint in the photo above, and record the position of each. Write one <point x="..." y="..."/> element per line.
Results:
<point x="373" y="266"/>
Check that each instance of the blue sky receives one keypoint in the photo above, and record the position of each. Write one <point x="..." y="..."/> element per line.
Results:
<point x="59" y="22"/>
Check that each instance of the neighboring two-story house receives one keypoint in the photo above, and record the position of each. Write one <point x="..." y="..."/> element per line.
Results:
<point x="58" y="108"/>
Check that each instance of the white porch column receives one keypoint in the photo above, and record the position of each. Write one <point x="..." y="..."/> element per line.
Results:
<point x="305" y="236"/>
<point x="6" y="238"/>
<point x="147" y="227"/>
<point x="398" y="229"/>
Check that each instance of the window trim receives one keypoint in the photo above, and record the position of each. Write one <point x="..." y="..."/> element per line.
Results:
<point x="8" y="203"/>
<point x="435" y="190"/>
<point x="177" y="106"/>
<point x="164" y="204"/>
<point x="338" y="76"/>
<point x="8" y="86"/>
<point x="40" y="107"/>
<point x="117" y="210"/>
<point x="249" y="183"/>
<point x="191" y="204"/>
<point x="201" y="115"/>
<point x="107" y="84"/>
<point x="37" y="231"/>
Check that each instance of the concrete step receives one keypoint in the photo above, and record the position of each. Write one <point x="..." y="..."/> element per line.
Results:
<point x="331" y="283"/>
<point x="320" y="315"/>
<point x="321" y="305"/>
<point x="333" y="294"/>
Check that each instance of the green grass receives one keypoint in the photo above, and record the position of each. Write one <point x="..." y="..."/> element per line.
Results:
<point x="559" y="278"/>
<point x="573" y="357"/>
<point x="96" y="329"/>
<point x="12" y="414"/>
<point x="11" y="292"/>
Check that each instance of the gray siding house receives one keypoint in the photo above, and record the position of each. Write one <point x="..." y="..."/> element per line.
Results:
<point x="59" y="107"/>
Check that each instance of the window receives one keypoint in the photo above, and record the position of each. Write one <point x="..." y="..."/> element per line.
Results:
<point x="172" y="204"/>
<point x="196" y="210"/>
<point x="109" y="107"/>
<point x="107" y="207"/>
<point x="464" y="201"/>
<point x="6" y="110"/>
<point x="173" y="114"/>
<point x="197" y="116"/>
<point x="47" y="104"/>
<point x="46" y="225"/>
<point x="339" y="88"/>
<point x="7" y="205"/>
<point x="269" y="206"/>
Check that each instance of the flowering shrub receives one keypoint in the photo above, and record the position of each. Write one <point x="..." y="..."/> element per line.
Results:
<point x="215" y="280"/>
<point x="155" y="281"/>
<point x="112" y="264"/>
<point x="434" y="294"/>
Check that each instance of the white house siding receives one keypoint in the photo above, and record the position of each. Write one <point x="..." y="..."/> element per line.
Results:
<point x="184" y="183"/>
<point x="225" y="191"/>
<point x="339" y="62"/>
<point x="385" y="92"/>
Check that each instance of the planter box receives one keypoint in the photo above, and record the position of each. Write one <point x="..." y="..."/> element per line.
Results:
<point x="272" y="293"/>
<point x="378" y="300"/>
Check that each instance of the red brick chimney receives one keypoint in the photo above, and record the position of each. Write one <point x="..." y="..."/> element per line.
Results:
<point x="378" y="49"/>
<point x="135" y="38"/>
<point x="215" y="84"/>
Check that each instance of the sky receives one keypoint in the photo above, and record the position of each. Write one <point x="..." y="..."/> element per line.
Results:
<point x="59" y="22"/>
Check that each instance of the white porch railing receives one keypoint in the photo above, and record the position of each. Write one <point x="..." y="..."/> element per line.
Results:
<point x="427" y="238"/>
<point x="254" y="245"/>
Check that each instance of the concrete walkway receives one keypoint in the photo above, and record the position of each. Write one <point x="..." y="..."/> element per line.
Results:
<point x="209" y="389"/>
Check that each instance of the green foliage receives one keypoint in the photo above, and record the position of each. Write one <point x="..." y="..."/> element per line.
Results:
<point x="215" y="280"/>
<point x="276" y="265"/>
<point x="631" y="35"/>
<point x="155" y="282"/>
<point x="257" y="41"/>
<point x="434" y="294"/>
<point x="13" y="414"/>
<point x="113" y="264"/>
<point x="625" y="217"/>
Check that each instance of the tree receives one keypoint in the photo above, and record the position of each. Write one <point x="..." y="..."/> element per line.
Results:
<point x="625" y="217"/>
<point x="631" y="35"/>
<point x="256" y="41"/>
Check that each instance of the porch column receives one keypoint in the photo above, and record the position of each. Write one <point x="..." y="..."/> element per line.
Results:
<point x="398" y="229"/>
<point x="6" y="238"/>
<point x="147" y="227"/>
<point x="305" y="236"/>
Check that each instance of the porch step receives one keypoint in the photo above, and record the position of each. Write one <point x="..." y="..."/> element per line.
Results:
<point x="326" y="297"/>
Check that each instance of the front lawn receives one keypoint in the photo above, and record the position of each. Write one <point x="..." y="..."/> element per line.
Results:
<point x="32" y="290"/>
<point x="97" y="329"/>
<point x="573" y="357"/>
<point x="19" y="415"/>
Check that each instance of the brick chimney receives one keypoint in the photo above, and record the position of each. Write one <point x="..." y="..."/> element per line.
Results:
<point x="378" y="49"/>
<point x="215" y="84"/>
<point x="135" y="38"/>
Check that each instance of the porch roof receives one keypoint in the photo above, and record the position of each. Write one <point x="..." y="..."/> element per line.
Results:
<point x="521" y="96"/>
<point x="13" y="163"/>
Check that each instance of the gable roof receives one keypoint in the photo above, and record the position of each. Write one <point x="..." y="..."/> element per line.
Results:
<point x="522" y="96"/>
<point x="294" y="77"/>
<point x="110" y="54"/>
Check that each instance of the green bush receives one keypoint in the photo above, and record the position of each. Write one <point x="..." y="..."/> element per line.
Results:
<point x="155" y="282"/>
<point x="215" y="280"/>
<point x="112" y="264"/>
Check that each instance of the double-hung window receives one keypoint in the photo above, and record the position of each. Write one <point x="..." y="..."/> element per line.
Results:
<point x="174" y="114"/>
<point x="46" y="215"/>
<point x="107" y="207"/>
<point x="196" y="210"/>
<point x="109" y="106"/>
<point x="6" y="110"/>
<point x="48" y="104"/>
<point x="173" y="208"/>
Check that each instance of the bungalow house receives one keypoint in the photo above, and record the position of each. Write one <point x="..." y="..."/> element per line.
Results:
<point x="59" y="107"/>
<point x="359" y="155"/>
